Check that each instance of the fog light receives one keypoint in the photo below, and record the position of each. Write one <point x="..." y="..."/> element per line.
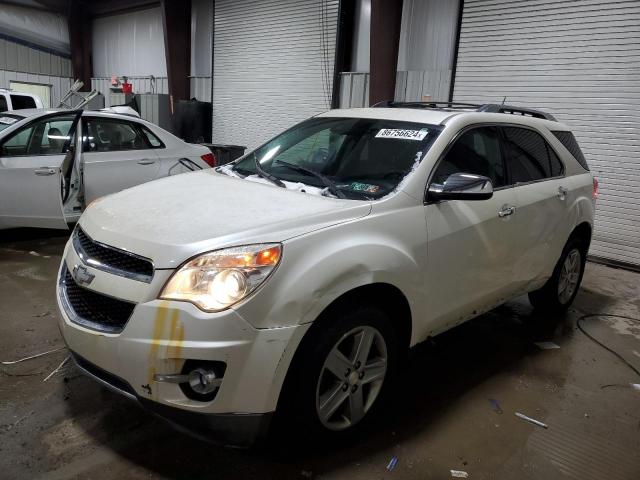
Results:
<point x="203" y="381"/>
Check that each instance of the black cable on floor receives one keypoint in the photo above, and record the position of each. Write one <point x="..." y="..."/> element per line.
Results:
<point x="620" y="357"/>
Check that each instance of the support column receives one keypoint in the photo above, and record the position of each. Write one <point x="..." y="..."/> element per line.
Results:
<point x="176" y="21"/>
<point x="344" y="46"/>
<point x="80" y="23"/>
<point x="386" y="17"/>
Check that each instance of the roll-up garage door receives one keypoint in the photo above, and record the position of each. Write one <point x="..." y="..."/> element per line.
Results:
<point x="273" y="66"/>
<point x="580" y="61"/>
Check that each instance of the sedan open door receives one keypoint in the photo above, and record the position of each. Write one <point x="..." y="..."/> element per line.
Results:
<point x="33" y="162"/>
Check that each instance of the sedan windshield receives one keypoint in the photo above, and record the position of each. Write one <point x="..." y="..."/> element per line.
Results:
<point x="6" y="120"/>
<point x="352" y="158"/>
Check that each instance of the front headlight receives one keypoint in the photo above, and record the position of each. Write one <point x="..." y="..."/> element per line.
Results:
<point x="216" y="280"/>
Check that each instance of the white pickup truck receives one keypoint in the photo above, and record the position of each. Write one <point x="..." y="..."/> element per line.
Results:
<point x="11" y="100"/>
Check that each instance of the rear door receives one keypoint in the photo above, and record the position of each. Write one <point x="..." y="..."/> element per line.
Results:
<point x="31" y="160"/>
<point x="116" y="155"/>
<point x="470" y="243"/>
<point x="543" y="197"/>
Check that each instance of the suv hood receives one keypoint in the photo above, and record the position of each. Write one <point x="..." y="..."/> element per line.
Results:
<point x="175" y="218"/>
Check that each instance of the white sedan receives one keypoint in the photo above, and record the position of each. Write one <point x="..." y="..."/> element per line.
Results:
<point x="53" y="163"/>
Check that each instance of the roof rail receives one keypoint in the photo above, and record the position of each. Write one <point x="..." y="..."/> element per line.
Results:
<point x="488" y="108"/>
<point x="439" y="105"/>
<point x="530" y="112"/>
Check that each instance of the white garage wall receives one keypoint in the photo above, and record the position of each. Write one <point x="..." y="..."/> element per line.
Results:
<point x="273" y="66"/>
<point x="580" y="61"/>
<point x="129" y="44"/>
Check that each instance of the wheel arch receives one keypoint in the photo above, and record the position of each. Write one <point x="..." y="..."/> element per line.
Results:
<point x="582" y="231"/>
<point x="385" y="295"/>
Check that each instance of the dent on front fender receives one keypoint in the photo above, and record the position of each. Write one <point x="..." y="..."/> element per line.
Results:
<point x="312" y="277"/>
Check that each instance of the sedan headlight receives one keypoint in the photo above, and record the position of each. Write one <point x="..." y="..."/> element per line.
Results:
<point x="216" y="280"/>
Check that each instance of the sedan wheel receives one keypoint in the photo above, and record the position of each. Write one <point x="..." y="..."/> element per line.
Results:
<point x="351" y="378"/>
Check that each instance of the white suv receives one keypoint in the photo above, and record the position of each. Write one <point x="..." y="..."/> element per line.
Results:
<point x="295" y="278"/>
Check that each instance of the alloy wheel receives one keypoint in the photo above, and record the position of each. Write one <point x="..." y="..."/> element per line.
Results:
<point x="569" y="276"/>
<point x="351" y="378"/>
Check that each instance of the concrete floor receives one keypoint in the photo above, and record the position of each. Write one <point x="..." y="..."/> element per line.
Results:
<point x="70" y="427"/>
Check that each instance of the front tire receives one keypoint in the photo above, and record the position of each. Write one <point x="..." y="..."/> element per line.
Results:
<point x="343" y="374"/>
<point x="557" y="295"/>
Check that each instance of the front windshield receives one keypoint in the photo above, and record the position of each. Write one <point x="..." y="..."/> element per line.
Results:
<point x="7" y="120"/>
<point x="354" y="158"/>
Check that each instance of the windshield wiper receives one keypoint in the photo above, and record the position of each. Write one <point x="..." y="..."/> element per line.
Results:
<point x="325" y="181"/>
<point x="266" y="175"/>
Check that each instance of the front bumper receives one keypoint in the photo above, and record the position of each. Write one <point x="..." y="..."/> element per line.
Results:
<point x="236" y="430"/>
<point x="160" y="336"/>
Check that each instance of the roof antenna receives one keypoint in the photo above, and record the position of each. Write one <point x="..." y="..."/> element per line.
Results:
<point x="503" y="100"/>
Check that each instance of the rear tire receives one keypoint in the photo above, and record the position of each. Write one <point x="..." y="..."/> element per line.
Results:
<point x="557" y="295"/>
<point x="342" y="375"/>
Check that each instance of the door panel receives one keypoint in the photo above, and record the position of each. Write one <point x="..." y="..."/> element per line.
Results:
<point x="542" y="227"/>
<point x="31" y="162"/>
<point x="470" y="243"/>
<point x="115" y="156"/>
<point x="469" y="257"/>
<point x="542" y="195"/>
<point x="30" y="192"/>
<point x="110" y="172"/>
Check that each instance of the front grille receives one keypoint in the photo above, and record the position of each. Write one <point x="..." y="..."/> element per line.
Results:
<point x="93" y="310"/>
<point x="111" y="259"/>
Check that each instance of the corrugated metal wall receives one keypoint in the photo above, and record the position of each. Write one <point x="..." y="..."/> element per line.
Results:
<point x="579" y="60"/>
<point x="21" y="63"/>
<point x="273" y="66"/>
<point x="129" y="44"/>
<point x="411" y="86"/>
<point x="427" y="43"/>
<point x="425" y="56"/>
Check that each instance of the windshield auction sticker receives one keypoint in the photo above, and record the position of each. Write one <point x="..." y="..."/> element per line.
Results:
<point x="402" y="134"/>
<point x="8" y="120"/>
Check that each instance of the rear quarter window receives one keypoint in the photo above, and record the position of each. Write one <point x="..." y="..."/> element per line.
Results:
<point x="569" y="141"/>
<point x="22" y="101"/>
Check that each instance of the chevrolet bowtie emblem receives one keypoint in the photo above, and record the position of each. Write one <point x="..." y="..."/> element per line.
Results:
<point x="81" y="275"/>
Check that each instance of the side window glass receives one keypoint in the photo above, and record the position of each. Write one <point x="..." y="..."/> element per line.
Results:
<point x="151" y="138"/>
<point x="44" y="137"/>
<point x="108" y="135"/>
<point x="528" y="155"/>
<point x="54" y="137"/>
<point x="476" y="151"/>
<point x="3" y="103"/>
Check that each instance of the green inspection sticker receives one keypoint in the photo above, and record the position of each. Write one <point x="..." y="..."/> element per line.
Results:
<point x="361" y="187"/>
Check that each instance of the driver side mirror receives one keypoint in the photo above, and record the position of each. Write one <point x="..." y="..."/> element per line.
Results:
<point x="462" y="186"/>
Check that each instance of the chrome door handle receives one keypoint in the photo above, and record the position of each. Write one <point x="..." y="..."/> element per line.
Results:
<point x="146" y="161"/>
<point x="44" y="171"/>
<point x="562" y="193"/>
<point x="506" y="210"/>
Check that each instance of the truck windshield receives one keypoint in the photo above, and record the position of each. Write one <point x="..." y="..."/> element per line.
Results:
<point x="353" y="158"/>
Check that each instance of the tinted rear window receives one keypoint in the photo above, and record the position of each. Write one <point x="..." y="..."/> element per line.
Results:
<point x="530" y="158"/>
<point x="22" y="101"/>
<point x="569" y="141"/>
